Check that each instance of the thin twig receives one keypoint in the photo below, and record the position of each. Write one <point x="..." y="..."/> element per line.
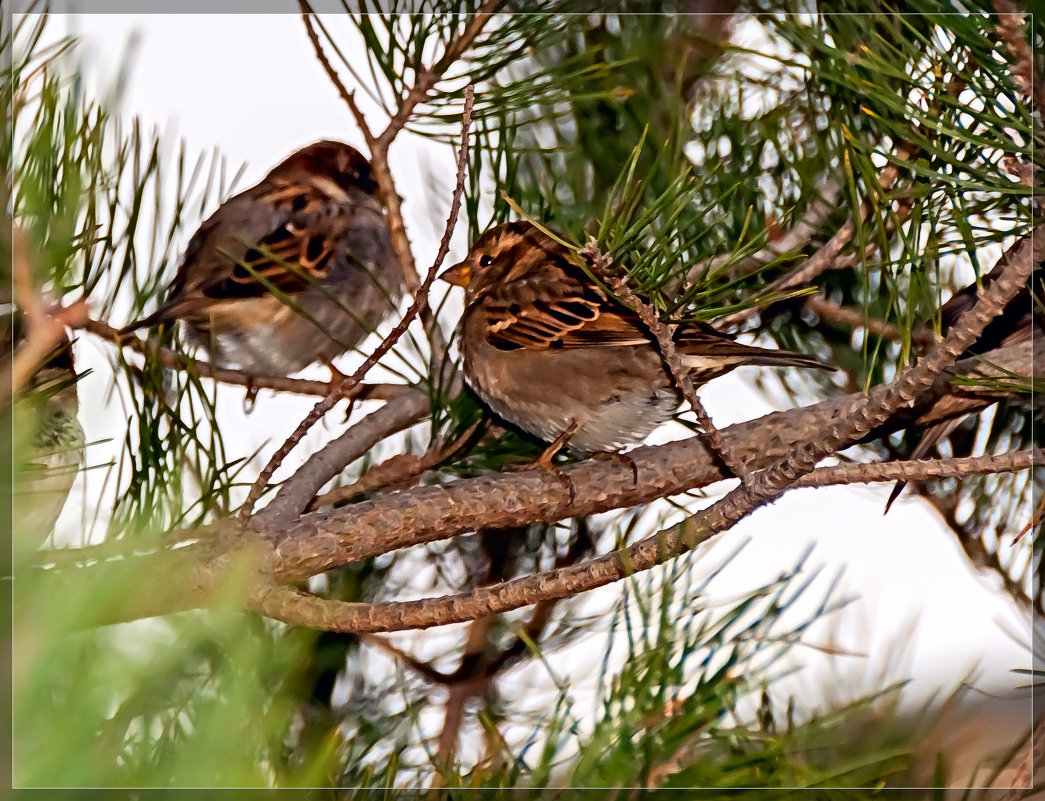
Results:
<point x="803" y="231"/>
<point x="240" y="378"/>
<point x="856" y="320"/>
<point x="423" y="669"/>
<point x="664" y="335"/>
<point x="395" y="416"/>
<point x="420" y="301"/>
<point x="45" y="323"/>
<point x="425" y="80"/>
<point x="378" y="145"/>
<point x="427" y="77"/>
<point x="386" y="184"/>
<point x="397" y="472"/>
<point x="328" y="68"/>
<point x="470" y="680"/>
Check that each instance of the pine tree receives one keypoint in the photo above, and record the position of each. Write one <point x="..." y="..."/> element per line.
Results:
<point x="826" y="194"/>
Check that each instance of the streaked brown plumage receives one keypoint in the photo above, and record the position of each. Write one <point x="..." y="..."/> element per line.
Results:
<point x="46" y="469"/>
<point x="546" y="348"/>
<point x="1023" y="320"/>
<point x="297" y="269"/>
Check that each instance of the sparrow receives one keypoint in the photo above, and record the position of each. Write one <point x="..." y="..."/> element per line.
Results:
<point x="48" y="404"/>
<point x="553" y="353"/>
<point x="297" y="269"/>
<point x="1023" y="320"/>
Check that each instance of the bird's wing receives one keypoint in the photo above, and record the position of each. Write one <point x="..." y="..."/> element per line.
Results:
<point x="300" y="230"/>
<point x="280" y="236"/>
<point x="555" y="305"/>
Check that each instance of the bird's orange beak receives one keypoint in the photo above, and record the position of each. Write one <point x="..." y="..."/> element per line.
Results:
<point x="458" y="275"/>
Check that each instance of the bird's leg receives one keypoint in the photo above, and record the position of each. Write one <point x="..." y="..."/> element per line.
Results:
<point x="1034" y="520"/>
<point x="337" y="381"/>
<point x="615" y="456"/>
<point x="337" y="378"/>
<point x="250" y="395"/>
<point x="544" y="461"/>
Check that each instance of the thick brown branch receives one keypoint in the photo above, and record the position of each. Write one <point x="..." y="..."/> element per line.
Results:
<point x="396" y="415"/>
<point x="321" y="541"/>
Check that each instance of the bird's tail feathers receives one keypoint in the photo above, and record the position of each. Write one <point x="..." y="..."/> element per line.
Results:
<point x="734" y="353"/>
<point x="158" y="317"/>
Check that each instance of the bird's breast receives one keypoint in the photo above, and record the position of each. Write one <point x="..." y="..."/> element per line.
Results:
<point x="615" y="395"/>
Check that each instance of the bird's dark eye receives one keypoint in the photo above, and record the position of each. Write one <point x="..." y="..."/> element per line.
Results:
<point x="486" y="260"/>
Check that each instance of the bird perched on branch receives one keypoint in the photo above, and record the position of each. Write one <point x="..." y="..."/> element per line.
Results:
<point x="297" y="269"/>
<point x="1023" y="320"/>
<point x="555" y="354"/>
<point x="54" y="440"/>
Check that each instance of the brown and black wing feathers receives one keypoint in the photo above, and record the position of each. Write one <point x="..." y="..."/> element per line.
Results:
<point x="554" y="304"/>
<point x="551" y="303"/>
<point x="280" y="236"/>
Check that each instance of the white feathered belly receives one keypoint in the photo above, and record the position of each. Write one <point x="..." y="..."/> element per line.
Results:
<point x="608" y="420"/>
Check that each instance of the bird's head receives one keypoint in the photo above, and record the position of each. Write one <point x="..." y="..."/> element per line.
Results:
<point x="337" y="162"/>
<point x="501" y="254"/>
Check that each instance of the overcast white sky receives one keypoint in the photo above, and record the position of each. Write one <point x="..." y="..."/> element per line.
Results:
<point x="250" y="86"/>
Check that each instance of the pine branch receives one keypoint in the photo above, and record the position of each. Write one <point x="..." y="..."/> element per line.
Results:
<point x="1025" y="68"/>
<point x="798" y="237"/>
<point x="881" y="404"/>
<point x="829" y="256"/>
<point x="427" y="77"/>
<point x="322" y="541"/>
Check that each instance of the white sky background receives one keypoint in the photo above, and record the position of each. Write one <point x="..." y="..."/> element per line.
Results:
<point x="251" y="87"/>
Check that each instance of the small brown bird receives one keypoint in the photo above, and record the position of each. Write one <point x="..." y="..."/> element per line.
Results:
<point x="297" y="269"/>
<point x="52" y="453"/>
<point x="1023" y="320"/>
<point x="552" y="353"/>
